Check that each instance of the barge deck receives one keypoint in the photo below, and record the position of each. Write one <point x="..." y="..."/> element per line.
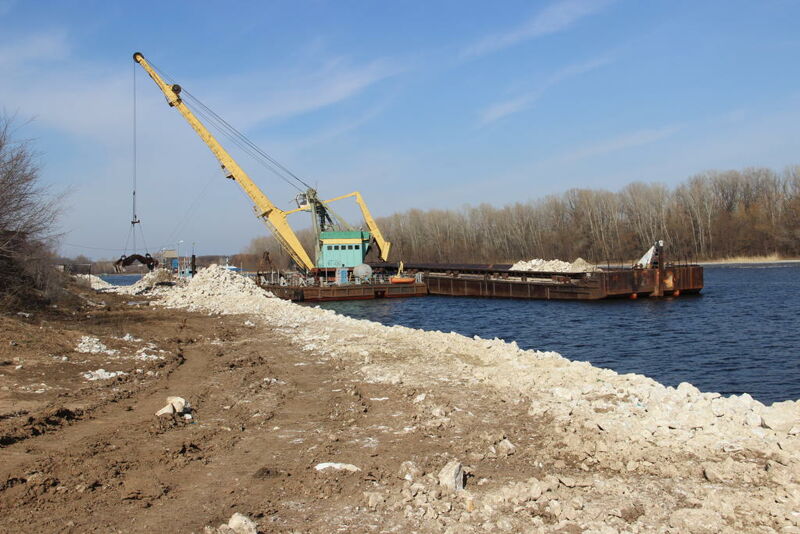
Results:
<point x="498" y="281"/>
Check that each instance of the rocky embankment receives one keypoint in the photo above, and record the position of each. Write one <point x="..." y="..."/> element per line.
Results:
<point x="597" y="452"/>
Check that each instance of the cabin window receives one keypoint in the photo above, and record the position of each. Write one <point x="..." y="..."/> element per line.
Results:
<point x="349" y="247"/>
<point x="330" y="247"/>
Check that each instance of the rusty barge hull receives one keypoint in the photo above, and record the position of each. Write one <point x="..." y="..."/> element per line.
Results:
<point x="497" y="281"/>
<point x="346" y="292"/>
<point x="630" y="283"/>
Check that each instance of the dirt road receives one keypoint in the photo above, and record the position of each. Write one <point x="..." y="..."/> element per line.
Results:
<point x="91" y="456"/>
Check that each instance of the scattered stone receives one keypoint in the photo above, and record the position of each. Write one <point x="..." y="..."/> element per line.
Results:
<point x="169" y="409"/>
<point x="505" y="447"/>
<point x="92" y="345"/>
<point x="567" y="481"/>
<point x="176" y="405"/>
<point x="337" y="466"/>
<point x="409" y="471"/>
<point x="752" y="419"/>
<point x="452" y="476"/>
<point x="374" y="498"/>
<point x="237" y="524"/>
<point x="719" y="407"/>
<point x="685" y="388"/>
<point x="696" y="521"/>
<point x="781" y="416"/>
<point x="101" y="374"/>
<point x="241" y="524"/>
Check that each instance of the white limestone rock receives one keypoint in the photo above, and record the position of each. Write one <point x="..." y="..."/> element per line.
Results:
<point x="336" y="466"/>
<point x="452" y="476"/>
<point x="241" y="524"/>
<point x="781" y="416"/>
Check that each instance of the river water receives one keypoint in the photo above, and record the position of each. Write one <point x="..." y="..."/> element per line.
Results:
<point x="741" y="335"/>
<point x="121" y="279"/>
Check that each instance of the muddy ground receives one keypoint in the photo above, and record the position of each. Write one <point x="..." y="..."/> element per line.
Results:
<point x="86" y="456"/>
<point x="90" y="456"/>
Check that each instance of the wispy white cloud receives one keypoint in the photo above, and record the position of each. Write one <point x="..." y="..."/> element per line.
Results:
<point x="525" y="100"/>
<point x="325" y="135"/>
<point x="555" y="18"/>
<point x="621" y="142"/>
<point x="304" y="91"/>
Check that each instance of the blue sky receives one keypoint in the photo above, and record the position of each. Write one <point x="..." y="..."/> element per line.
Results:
<point x="415" y="104"/>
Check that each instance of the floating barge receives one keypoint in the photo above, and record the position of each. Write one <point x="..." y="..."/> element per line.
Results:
<point x="652" y="276"/>
<point x="498" y="281"/>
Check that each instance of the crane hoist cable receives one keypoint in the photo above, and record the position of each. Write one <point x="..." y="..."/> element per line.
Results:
<point x="235" y="136"/>
<point x="242" y="145"/>
<point x="223" y="124"/>
<point x="126" y="259"/>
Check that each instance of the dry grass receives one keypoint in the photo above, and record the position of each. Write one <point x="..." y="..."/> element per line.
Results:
<point x="769" y="258"/>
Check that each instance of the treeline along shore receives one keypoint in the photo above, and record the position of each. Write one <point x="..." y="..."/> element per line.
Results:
<point x="712" y="215"/>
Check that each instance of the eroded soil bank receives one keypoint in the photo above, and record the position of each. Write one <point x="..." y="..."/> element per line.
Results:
<point x="547" y="445"/>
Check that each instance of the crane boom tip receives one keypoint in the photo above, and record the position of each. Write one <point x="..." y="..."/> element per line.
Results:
<point x="137" y="56"/>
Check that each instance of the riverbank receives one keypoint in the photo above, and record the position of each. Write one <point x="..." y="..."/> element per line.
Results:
<point x="547" y="444"/>
<point x="770" y="258"/>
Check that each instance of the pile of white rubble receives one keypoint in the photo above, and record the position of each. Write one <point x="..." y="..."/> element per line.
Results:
<point x="95" y="282"/>
<point x="630" y="406"/>
<point x="555" y="266"/>
<point x="147" y="283"/>
<point x="219" y="290"/>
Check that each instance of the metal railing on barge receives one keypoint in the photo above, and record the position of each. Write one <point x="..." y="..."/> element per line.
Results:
<point x="499" y="281"/>
<point x="495" y="281"/>
<point x="299" y="288"/>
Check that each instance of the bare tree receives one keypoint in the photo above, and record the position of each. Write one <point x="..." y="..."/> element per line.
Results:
<point x="27" y="218"/>
<point x="713" y="214"/>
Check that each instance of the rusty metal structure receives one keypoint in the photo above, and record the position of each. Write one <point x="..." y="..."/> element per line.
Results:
<point x="125" y="261"/>
<point x="654" y="277"/>
<point x="321" y="293"/>
<point x="616" y="283"/>
<point x="499" y="281"/>
<point x="651" y="276"/>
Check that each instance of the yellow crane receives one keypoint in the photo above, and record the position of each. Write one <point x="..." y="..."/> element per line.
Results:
<point x="275" y="218"/>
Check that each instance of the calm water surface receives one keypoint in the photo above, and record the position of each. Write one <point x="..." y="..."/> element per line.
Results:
<point x="741" y="335"/>
<point x="121" y="279"/>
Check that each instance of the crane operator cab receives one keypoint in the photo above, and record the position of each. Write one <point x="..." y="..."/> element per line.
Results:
<point x="343" y="248"/>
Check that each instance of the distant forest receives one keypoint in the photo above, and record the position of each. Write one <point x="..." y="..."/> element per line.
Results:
<point x="713" y="215"/>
